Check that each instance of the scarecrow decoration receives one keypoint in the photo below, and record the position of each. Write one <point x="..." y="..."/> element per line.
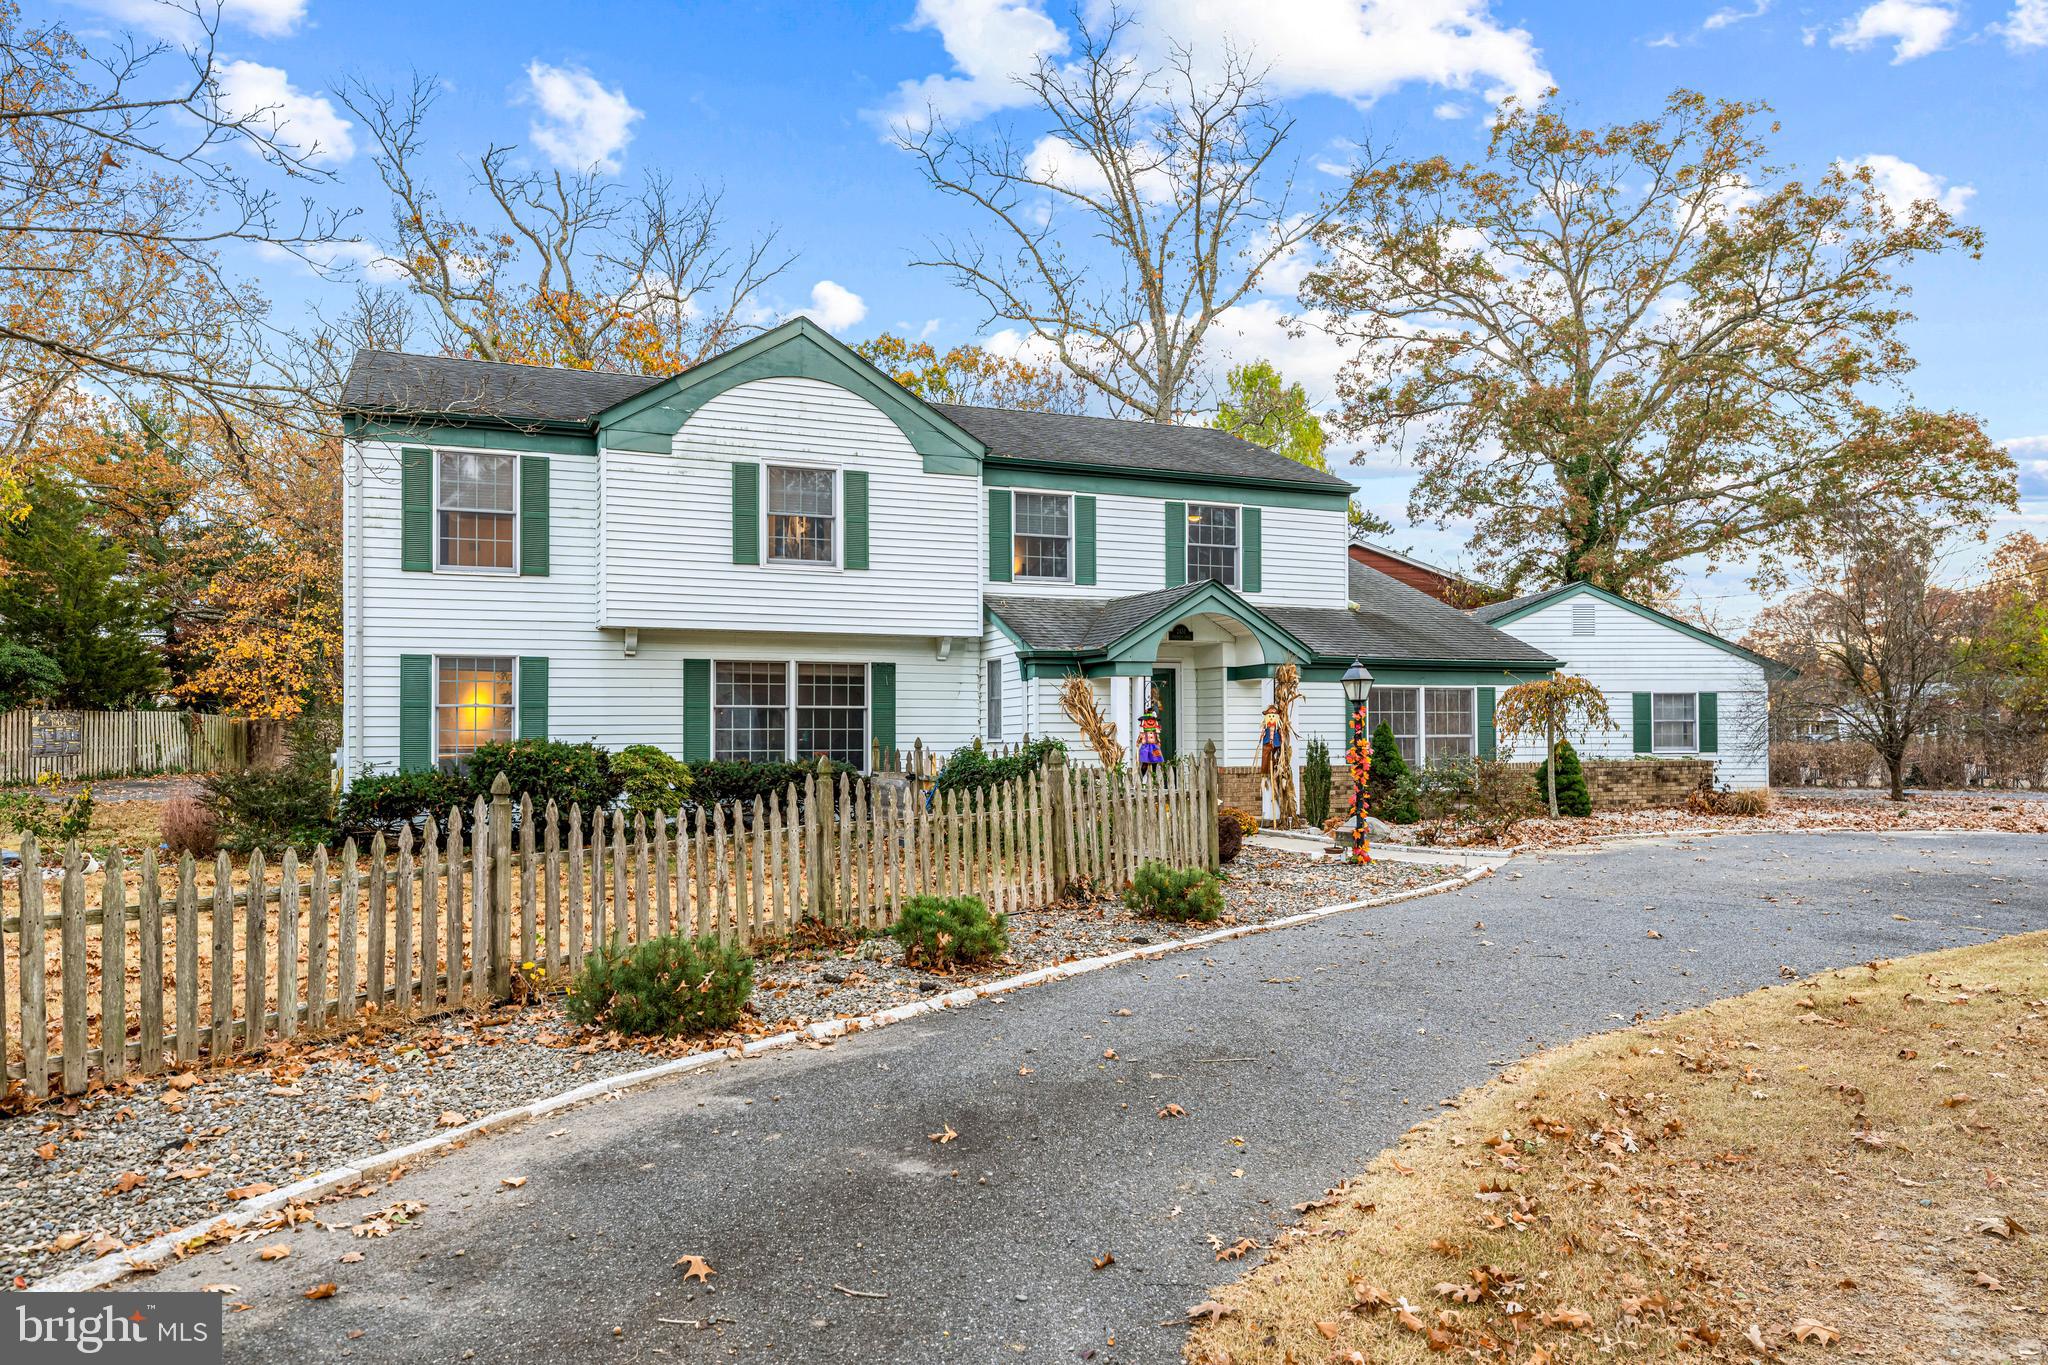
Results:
<point x="1150" y="757"/>
<point x="1276" y="745"/>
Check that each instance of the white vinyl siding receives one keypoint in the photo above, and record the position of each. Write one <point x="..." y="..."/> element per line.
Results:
<point x="1627" y="654"/>
<point x="668" y="526"/>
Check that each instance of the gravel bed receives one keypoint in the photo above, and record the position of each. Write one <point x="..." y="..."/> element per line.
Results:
<point x="192" y="1139"/>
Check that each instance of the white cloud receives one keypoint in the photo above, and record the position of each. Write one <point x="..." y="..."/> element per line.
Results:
<point x="2026" y="26"/>
<point x="351" y="258"/>
<point x="1355" y="49"/>
<point x="580" y="125"/>
<point x="1914" y="28"/>
<point x="1902" y="183"/>
<point x="834" y="307"/>
<point x="270" y="18"/>
<point x="1664" y="40"/>
<point x="1449" y="109"/>
<point x="265" y="18"/>
<point x="265" y="96"/>
<point x="1729" y="16"/>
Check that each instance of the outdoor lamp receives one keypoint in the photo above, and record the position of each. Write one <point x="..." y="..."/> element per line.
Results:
<point x="1357" y="682"/>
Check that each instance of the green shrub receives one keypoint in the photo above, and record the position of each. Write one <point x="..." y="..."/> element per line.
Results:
<point x="1189" y="893"/>
<point x="1315" y="783"/>
<point x="27" y="675"/>
<point x="654" y="779"/>
<point x="668" y="986"/>
<point x="52" y="822"/>
<point x="386" y="800"/>
<point x="718" y="782"/>
<point x="1573" y="798"/>
<point x="288" y="806"/>
<point x="1467" y="801"/>
<point x="974" y="769"/>
<point x="1385" y="795"/>
<point x="938" y="931"/>
<point x="546" y="770"/>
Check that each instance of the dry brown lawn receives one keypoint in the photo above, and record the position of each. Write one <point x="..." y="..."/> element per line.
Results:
<point x="132" y="825"/>
<point x="1852" y="1165"/>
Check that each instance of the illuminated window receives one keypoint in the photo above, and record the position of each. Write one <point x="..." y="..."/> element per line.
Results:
<point x="1044" y="535"/>
<point x="476" y="505"/>
<point x="800" y="515"/>
<point x="1212" y="544"/>
<point x="473" y="704"/>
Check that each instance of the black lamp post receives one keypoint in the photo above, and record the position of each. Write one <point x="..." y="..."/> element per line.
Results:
<point x="1357" y="683"/>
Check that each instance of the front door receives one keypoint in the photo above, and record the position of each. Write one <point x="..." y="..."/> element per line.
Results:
<point x="1169" y="712"/>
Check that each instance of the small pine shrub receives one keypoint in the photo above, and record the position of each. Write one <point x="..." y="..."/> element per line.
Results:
<point x="1181" y="895"/>
<point x="1386" y="796"/>
<point x="1573" y="797"/>
<point x="938" y="931"/>
<point x="189" y="827"/>
<point x="1232" y="827"/>
<point x="290" y="805"/>
<point x="656" y="781"/>
<point x="664" y="987"/>
<point x="1315" y="783"/>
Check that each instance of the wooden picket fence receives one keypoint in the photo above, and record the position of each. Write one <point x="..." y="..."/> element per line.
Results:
<point x="79" y="745"/>
<point x="216" y="959"/>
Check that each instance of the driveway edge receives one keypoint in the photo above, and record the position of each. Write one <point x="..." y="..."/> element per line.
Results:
<point x="150" y="1255"/>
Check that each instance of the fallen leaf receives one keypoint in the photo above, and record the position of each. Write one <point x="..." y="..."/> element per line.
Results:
<point x="251" y="1191"/>
<point x="1815" y="1331"/>
<point x="1237" y="1249"/>
<point x="48" y="1151"/>
<point x="1653" y="934"/>
<point x="512" y="1182"/>
<point x="452" y="1119"/>
<point x="123" y="1183"/>
<point x="1104" y="1261"/>
<point x="2001" y="1226"/>
<point x="190" y="1172"/>
<point x="1990" y="1282"/>
<point x="105" y="1245"/>
<point x="351" y="1257"/>
<point x="276" y="1251"/>
<point x="695" y="1267"/>
<point x="1211" y="1311"/>
<point x="220" y="1289"/>
<point x="66" y="1240"/>
<point x="1173" y="1111"/>
<point x="1329" y="1329"/>
<point x="945" y="1137"/>
<point x="323" y="1291"/>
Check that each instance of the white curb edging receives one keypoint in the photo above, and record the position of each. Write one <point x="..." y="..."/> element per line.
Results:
<point x="151" y="1255"/>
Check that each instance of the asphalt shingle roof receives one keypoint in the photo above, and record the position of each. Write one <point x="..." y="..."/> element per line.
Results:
<point x="1108" y="442"/>
<point x="396" y="384"/>
<point x="1393" y="620"/>
<point x="1493" y="611"/>
<point x="1081" y="623"/>
<point x="399" y="384"/>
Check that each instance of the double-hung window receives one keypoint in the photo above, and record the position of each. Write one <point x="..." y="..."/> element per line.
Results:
<point x="1043" y="534"/>
<point x="1430" y="724"/>
<point x="1212" y="543"/>
<point x="473" y="704"/>
<point x="476" y="511"/>
<point x="753" y="720"/>
<point x="1675" y="722"/>
<point x="802" y="514"/>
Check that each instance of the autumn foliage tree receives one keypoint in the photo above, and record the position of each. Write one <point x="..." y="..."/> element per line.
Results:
<point x="1550" y="710"/>
<point x="2008" y="652"/>
<point x="974" y="375"/>
<point x="1614" y="348"/>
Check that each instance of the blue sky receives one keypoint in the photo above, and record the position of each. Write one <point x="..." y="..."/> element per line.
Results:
<point x="784" y="103"/>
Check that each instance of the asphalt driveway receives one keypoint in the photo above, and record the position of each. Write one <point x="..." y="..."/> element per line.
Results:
<point x="1295" y="1055"/>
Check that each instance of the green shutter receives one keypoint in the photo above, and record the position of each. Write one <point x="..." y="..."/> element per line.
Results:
<point x="1486" y="737"/>
<point x="416" y="521"/>
<point x="746" y="512"/>
<point x="533" y="698"/>
<point x="882" y="705"/>
<point x="1176" y="544"/>
<point x="696" y="710"/>
<point x="1710" y="722"/>
<point x="415" y="711"/>
<point x="533" y="515"/>
<point x="1084" y="540"/>
<point x="1248" y="538"/>
<point x="1643" y="732"/>
<point x="856" y="548"/>
<point x="999" y="547"/>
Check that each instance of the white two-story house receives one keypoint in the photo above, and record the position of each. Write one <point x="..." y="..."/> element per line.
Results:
<point x="780" y="552"/>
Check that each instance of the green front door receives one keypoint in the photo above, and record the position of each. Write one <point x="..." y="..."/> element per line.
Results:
<point x="1169" y="712"/>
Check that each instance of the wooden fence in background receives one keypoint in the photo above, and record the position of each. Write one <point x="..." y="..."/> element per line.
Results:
<point x="218" y="958"/>
<point x="78" y="745"/>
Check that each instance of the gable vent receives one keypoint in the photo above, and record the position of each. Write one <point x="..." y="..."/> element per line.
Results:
<point x="1582" y="618"/>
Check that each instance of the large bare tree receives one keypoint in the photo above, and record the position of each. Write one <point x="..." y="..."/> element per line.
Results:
<point x="571" y="268"/>
<point x="1613" y="348"/>
<point x="1145" y="204"/>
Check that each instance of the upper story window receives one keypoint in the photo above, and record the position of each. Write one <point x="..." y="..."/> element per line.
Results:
<point x="473" y="704"/>
<point x="802" y="510"/>
<point x="1212" y="543"/>
<point x="476" y="508"/>
<point x="1674" y="722"/>
<point x="1044" y="536"/>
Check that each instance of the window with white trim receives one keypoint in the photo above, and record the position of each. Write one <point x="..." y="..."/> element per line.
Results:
<point x="474" y="703"/>
<point x="1212" y="544"/>
<point x="1430" y="724"/>
<point x="802" y="513"/>
<point x="476" y="511"/>
<point x="773" y="711"/>
<point x="995" y="699"/>
<point x="1042" y="536"/>
<point x="1675" y="722"/>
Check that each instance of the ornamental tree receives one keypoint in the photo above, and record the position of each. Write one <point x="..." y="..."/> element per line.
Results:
<point x="1551" y="709"/>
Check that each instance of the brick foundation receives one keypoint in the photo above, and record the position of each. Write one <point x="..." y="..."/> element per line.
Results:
<point x="1616" y="784"/>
